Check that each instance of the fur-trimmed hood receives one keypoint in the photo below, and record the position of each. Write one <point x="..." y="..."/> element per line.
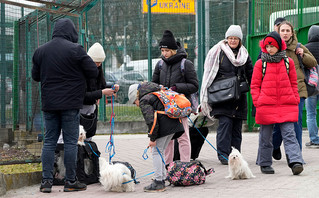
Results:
<point x="276" y="36"/>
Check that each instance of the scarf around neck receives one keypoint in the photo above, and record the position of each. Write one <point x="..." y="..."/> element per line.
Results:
<point x="211" y="67"/>
<point x="276" y="58"/>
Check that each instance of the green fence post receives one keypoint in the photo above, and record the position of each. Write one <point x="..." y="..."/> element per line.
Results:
<point x="201" y="39"/>
<point x="102" y="110"/>
<point x="28" y="85"/>
<point x="15" y="80"/>
<point x="3" y="67"/>
<point x="149" y="40"/>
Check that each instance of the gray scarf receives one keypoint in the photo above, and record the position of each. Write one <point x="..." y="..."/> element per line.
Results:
<point x="273" y="58"/>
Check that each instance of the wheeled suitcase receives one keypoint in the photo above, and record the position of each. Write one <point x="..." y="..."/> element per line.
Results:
<point x="196" y="138"/>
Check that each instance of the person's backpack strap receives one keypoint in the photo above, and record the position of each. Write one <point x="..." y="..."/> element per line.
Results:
<point x="263" y="70"/>
<point x="160" y="64"/>
<point x="286" y="60"/>
<point x="264" y="66"/>
<point x="298" y="46"/>
<point x="182" y="65"/>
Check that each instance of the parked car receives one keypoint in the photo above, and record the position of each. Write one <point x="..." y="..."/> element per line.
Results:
<point x="125" y="79"/>
<point x="110" y="79"/>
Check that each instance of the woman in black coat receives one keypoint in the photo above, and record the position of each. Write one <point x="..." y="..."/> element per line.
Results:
<point x="226" y="59"/>
<point x="177" y="73"/>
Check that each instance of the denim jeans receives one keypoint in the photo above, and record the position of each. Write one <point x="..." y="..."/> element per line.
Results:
<point x="56" y="121"/>
<point x="311" y="107"/>
<point x="277" y="139"/>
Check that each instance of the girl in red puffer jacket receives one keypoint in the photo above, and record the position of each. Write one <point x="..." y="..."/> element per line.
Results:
<point x="275" y="94"/>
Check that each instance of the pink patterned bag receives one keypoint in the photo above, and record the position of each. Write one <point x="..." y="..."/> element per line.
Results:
<point x="187" y="173"/>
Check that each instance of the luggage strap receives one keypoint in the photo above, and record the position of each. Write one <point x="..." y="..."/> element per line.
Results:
<point x="155" y="120"/>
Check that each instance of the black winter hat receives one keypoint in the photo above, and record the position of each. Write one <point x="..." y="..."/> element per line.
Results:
<point x="279" y="20"/>
<point x="168" y="41"/>
<point x="275" y="36"/>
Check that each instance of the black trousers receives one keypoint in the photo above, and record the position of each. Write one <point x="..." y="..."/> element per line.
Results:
<point x="228" y="135"/>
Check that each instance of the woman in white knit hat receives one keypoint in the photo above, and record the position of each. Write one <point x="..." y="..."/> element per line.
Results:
<point x="226" y="59"/>
<point x="95" y="89"/>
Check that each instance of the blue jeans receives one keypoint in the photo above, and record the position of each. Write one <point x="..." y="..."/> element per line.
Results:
<point x="311" y="107"/>
<point x="277" y="139"/>
<point x="56" y="121"/>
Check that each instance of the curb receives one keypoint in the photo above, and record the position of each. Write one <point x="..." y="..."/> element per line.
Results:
<point x="18" y="180"/>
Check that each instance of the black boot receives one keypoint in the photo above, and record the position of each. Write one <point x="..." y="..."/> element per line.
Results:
<point x="276" y="154"/>
<point x="267" y="170"/>
<point x="296" y="168"/>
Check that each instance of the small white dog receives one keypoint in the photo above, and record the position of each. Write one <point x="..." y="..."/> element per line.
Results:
<point x="237" y="166"/>
<point x="82" y="136"/>
<point x="115" y="177"/>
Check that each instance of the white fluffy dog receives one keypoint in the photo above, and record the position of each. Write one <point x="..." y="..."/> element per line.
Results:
<point x="237" y="166"/>
<point x="82" y="136"/>
<point x="113" y="177"/>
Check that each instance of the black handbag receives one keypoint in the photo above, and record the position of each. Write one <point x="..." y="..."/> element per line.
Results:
<point x="243" y="85"/>
<point x="89" y="123"/>
<point x="224" y="90"/>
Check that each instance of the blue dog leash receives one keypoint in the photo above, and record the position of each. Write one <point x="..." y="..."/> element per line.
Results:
<point x="206" y="139"/>
<point x="110" y="148"/>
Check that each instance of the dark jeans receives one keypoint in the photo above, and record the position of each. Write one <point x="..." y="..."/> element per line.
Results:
<point x="56" y="121"/>
<point x="228" y="135"/>
<point x="277" y="139"/>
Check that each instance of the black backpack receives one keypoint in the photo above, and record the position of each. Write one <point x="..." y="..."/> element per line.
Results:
<point x="88" y="171"/>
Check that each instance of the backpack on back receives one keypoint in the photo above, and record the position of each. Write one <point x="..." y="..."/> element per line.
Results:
<point x="193" y="96"/>
<point x="264" y="65"/>
<point x="176" y="105"/>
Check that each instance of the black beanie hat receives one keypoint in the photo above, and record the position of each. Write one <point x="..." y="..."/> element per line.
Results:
<point x="277" y="38"/>
<point x="168" y="41"/>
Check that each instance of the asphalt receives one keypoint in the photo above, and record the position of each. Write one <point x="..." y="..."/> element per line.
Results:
<point x="282" y="184"/>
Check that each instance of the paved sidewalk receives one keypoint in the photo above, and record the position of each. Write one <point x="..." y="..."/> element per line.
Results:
<point x="283" y="184"/>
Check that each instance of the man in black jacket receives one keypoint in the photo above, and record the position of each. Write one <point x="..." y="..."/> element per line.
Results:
<point x="62" y="66"/>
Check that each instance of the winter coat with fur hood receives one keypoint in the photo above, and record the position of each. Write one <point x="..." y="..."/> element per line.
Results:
<point x="63" y="67"/>
<point x="148" y="104"/>
<point x="171" y="75"/>
<point x="275" y="95"/>
<point x="308" y="61"/>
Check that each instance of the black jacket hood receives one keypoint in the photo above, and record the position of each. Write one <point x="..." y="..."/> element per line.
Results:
<point x="313" y="34"/>
<point x="65" y="28"/>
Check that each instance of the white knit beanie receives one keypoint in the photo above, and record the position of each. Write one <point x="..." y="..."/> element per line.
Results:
<point x="96" y="52"/>
<point x="132" y="93"/>
<point x="234" y="30"/>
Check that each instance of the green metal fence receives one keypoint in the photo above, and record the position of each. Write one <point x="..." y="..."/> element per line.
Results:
<point x="129" y="31"/>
